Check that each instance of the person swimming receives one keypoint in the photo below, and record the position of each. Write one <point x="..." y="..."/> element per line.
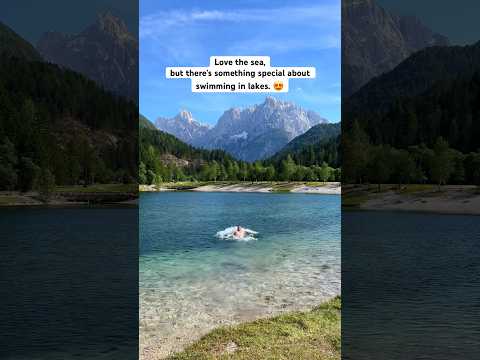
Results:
<point x="239" y="232"/>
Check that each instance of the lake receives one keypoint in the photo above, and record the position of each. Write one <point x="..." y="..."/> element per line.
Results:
<point x="410" y="286"/>
<point x="68" y="283"/>
<point x="191" y="281"/>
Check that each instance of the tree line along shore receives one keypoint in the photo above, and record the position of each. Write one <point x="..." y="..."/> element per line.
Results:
<point x="366" y="162"/>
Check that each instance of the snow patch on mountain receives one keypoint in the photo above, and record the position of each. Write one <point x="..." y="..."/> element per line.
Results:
<point x="243" y="135"/>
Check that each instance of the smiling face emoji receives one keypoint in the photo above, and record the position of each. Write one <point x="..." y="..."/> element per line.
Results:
<point x="278" y="85"/>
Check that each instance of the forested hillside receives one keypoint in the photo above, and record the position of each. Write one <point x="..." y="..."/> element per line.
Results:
<point x="448" y="109"/>
<point x="58" y="127"/>
<point x="423" y="126"/>
<point x="318" y="145"/>
<point x="416" y="75"/>
<point x="145" y="123"/>
<point x="13" y="45"/>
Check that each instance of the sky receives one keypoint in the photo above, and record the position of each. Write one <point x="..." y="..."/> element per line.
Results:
<point x="458" y="20"/>
<point x="187" y="33"/>
<point x="31" y="18"/>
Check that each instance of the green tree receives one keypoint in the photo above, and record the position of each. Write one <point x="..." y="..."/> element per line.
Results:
<point x="404" y="167"/>
<point x="458" y="176"/>
<point x="324" y="173"/>
<point x="243" y="171"/>
<point x="142" y="173"/>
<point x="150" y="177"/>
<point x="287" y="169"/>
<point x="258" y="171"/>
<point x="472" y="168"/>
<point x="441" y="164"/>
<point x="270" y="173"/>
<point x="8" y="162"/>
<point x="28" y="174"/>
<point x="178" y="174"/>
<point x="338" y="174"/>
<point x="46" y="184"/>
<point x="355" y="144"/>
<point x="214" y="171"/>
<point x="380" y="167"/>
<point x="223" y="175"/>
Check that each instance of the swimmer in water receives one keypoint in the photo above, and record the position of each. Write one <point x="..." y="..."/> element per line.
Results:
<point x="240" y="232"/>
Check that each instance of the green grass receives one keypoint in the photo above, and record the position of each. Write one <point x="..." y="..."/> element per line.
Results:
<point x="9" y="200"/>
<point x="415" y="188"/>
<point x="283" y="187"/>
<point x="354" y="200"/>
<point x="312" y="335"/>
<point x="98" y="188"/>
<point x="316" y="183"/>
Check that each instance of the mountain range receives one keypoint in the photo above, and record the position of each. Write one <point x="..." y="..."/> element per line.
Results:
<point x="256" y="132"/>
<point x="105" y="52"/>
<point x="374" y="41"/>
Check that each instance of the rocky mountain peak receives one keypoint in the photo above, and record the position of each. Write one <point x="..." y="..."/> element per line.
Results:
<point x="374" y="41"/>
<point x="270" y="101"/>
<point x="108" y="22"/>
<point x="104" y="52"/>
<point x="110" y="26"/>
<point x="274" y="103"/>
<point x="183" y="126"/>
<point x="185" y="115"/>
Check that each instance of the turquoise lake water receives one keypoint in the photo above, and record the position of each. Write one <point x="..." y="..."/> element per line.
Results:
<point x="191" y="281"/>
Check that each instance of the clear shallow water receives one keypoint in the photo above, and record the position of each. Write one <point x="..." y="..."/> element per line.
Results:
<point x="68" y="283"/>
<point x="191" y="281"/>
<point x="410" y="286"/>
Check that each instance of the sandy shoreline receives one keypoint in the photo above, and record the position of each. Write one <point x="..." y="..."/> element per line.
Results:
<point x="330" y="188"/>
<point x="452" y="199"/>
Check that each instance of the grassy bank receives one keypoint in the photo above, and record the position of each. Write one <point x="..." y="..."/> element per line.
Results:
<point x="98" y="188"/>
<point x="71" y="195"/>
<point x="311" y="335"/>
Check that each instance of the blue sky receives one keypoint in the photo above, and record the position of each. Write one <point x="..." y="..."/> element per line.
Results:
<point x="187" y="33"/>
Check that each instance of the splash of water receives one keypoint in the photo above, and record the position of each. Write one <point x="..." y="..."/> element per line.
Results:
<point x="228" y="234"/>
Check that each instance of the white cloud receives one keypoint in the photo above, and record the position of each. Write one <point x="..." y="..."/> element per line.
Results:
<point x="157" y="24"/>
<point x="273" y="45"/>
